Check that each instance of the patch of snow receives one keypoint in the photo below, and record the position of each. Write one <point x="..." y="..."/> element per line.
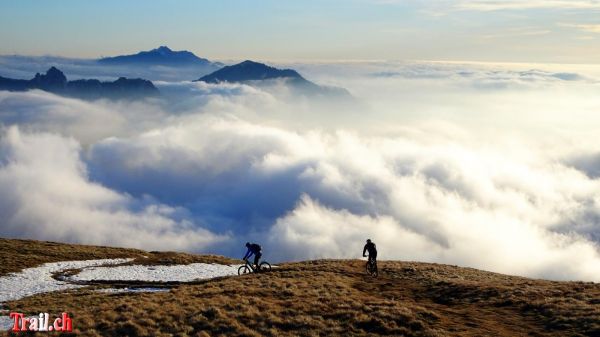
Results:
<point x="6" y="323"/>
<point x="171" y="273"/>
<point x="38" y="280"/>
<point x="133" y="290"/>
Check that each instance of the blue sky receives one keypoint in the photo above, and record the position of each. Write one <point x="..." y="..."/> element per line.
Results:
<point x="472" y="30"/>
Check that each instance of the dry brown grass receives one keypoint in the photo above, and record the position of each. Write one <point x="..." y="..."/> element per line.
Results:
<point x="335" y="297"/>
<point x="16" y="255"/>
<point x="172" y="258"/>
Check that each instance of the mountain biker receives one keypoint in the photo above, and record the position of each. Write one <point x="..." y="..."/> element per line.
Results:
<point x="370" y="247"/>
<point x="253" y="249"/>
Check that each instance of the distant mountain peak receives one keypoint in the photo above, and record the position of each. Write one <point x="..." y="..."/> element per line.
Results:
<point x="249" y="71"/>
<point x="53" y="79"/>
<point x="162" y="55"/>
<point x="54" y="71"/>
<point x="162" y="50"/>
<point x="259" y="73"/>
<point x="250" y="62"/>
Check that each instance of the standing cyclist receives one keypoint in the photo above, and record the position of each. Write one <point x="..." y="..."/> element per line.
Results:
<point x="253" y="249"/>
<point x="370" y="247"/>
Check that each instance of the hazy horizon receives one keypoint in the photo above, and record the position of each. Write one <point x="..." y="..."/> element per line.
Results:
<point x="461" y="30"/>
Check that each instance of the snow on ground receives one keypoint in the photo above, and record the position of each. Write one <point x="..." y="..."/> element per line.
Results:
<point x="5" y="323"/>
<point x="37" y="280"/>
<point x="173" y="273"/>
<point x="133" y="290"/>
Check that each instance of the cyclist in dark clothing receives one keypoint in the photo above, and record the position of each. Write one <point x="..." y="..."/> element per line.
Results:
<point x="253" y="249"/>
<point x="370" y="247"/>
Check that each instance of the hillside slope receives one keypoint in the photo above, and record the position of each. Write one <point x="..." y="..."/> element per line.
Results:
<point x="16" y="255"/>
<point x="335" y="297"/>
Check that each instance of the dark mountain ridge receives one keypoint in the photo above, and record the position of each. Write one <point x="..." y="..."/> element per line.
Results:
<point x="56" y="82"/>
<point x="256" y="73"/>
<point x="249" y="71"/>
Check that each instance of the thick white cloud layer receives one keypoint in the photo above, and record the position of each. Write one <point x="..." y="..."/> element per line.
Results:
<point x="446" y="163"/>
<point x="437" y="202"/>
<point x="47" y="195"/>
<point x="479" y="240"/>
<point x="88" y="122"/>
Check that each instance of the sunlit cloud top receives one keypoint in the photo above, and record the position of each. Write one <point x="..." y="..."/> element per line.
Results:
<point x="491" y="5"/>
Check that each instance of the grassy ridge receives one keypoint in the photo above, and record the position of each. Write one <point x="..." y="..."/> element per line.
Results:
<point x="16" y="255"/>
<point x="335" y="297"/>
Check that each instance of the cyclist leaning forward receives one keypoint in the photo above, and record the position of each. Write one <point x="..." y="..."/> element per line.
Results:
<point x="253" y="249"/>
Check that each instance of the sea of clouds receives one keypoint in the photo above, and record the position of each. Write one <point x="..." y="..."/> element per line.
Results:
<point x="489" y="166"/>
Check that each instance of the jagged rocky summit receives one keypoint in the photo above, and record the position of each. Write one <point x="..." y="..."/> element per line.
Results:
<point x="56" y="82"/>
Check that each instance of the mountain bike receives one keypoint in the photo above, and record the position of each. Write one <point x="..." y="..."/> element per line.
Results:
<point x="249" y="268"/>
<point x="371" y="267"/>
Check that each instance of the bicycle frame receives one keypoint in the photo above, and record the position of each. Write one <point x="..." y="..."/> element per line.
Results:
<point x="249" y="268"/>
<point x="250" y="265"/>
<point x="372" y="267"/>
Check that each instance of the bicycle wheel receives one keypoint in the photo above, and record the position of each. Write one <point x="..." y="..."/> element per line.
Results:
<point x="244" y="270"/>
<point x="264" y="266"/>
<point x="371" y="268"/>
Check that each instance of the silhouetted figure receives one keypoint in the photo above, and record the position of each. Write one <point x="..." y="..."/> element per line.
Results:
<point x="253" y="249"/>
<point x="370" y="247"/>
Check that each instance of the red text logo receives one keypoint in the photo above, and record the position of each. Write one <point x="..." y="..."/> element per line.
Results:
<point x="41" y="322"/>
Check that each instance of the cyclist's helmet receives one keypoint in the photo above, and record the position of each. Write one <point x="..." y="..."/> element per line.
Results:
<point x="368" y="240"/>
<point x="247" y="244"/>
